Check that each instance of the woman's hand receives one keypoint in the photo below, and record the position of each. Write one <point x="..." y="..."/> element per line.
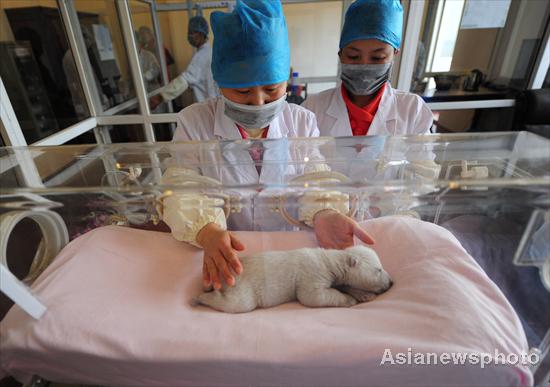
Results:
<point x="154" y="101"/>
<point x="220" y="259"/>
<point x="335" y="231"/>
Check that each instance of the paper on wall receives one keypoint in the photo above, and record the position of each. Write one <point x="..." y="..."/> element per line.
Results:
<point x="103" y="41"/>
<point x="485" y="14"/>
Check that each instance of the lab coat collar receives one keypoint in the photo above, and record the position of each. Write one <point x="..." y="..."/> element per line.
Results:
<point x="225" y="128"/>
<point x="205" y="46"/>
<point x="387" y="111"/>
<point x="337" y="110"/>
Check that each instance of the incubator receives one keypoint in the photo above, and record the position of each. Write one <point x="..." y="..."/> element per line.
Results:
<point x="103" y="291"/>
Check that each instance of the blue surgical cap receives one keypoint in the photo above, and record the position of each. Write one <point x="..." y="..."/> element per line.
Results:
<point x="373" y="19"/>
<point x="250" y="45"/>
<point x="198" y="24"/>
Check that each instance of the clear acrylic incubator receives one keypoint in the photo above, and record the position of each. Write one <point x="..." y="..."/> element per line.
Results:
<point x="99" y="290"/>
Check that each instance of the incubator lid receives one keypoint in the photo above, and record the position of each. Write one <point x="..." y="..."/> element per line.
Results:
<point x="423" y="163"/>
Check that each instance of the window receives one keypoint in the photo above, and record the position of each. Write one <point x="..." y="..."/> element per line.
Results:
<point x="107" y="52"/>
<point x="499" y="38"/>
<point x="449" y="13"/>
<point x="38" y="68"/>
<point x="314" y="34"/>
<point x="149" y="52"/>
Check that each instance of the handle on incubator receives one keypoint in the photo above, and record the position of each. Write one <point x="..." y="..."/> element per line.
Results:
<point x="316" y="177"/>
<point x="321" y="176"/>
<point x="295" y="222"/>
<point x="225" y="198"/>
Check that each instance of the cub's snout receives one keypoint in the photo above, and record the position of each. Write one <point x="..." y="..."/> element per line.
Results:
<point x="386" y="282"/>
<point x="366" y="271"/>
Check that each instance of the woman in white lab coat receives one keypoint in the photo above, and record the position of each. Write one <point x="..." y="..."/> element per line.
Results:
<point x="198" y="74"/>
<point x="365" y="103"/>
<point x="251" y="64"/>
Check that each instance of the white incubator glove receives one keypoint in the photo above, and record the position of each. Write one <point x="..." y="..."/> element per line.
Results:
<point x="187" y="213"/>
<point x="313" y="202"/>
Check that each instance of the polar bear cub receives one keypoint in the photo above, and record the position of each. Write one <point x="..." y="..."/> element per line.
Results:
<point x="315" y="277"/>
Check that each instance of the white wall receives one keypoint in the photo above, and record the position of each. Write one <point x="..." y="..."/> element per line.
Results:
<point x="314" y="33"/>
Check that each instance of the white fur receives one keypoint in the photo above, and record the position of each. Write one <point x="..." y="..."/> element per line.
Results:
<point x="313" y="276"/>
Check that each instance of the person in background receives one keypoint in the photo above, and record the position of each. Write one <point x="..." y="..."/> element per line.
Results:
<point x="73" y="79"/>
<point x="250" y="63"/>
<point x="198" y="74"/>
<point x="148" y="42"/>
<point x="150" y="66"/>
<point x="365" y="102"/>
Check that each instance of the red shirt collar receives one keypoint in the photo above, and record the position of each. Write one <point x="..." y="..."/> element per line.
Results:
<point x="361" y="118"/>
<point x="244" y="135"/>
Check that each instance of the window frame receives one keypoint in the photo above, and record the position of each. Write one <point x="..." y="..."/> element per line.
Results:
<point x="13" y="136"/>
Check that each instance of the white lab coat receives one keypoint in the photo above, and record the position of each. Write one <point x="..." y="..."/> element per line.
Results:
<point x="399" y="113"/>
<point x="230" y="163"/>
<point x="198" y="76"/>
<point x="207" y="121"/>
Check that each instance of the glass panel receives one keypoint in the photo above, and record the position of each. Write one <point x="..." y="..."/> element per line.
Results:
<point x="85" y="138"/>
<point x="546" y="83"/>
<point x="125" y="133"/>
<point x="177" y="50"/>
<point x="441" y="52"/>
<point x="38" y="68"/>
<point x="520" y="155"/>
<point x="308" y="26"/>
<point x="122" y="134"/>
<point x="107" y="51"/>
<point x="164" y="132"/>
<point x="478" y="49"/>
<point x="149" y="54"/>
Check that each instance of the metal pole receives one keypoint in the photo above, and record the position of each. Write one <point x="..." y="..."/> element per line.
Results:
<point x="83" y="65"/>
<point x="133" y="58"/>
<point x="410" y="45"/>
<point x="542" y="65"/>
<point x="160" y="50"/>
<point x="82" y="61"/>
<point x="10" y="128"/>
<point x="160" y="43"/>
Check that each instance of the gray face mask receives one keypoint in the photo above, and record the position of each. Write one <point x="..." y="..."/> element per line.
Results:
<point x="365" y="79"/>
<point x="253" y="116"/>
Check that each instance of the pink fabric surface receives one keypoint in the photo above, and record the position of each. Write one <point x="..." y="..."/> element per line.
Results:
<point x="119" y="313"/>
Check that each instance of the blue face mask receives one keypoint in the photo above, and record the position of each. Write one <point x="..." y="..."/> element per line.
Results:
<point x="365" y="79"/>
<point x="253" y="116"/>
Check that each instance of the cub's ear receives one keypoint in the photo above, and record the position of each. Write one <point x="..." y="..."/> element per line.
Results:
<point x="352" y="261"/>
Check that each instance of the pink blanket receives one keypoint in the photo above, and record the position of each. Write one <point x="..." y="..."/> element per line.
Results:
<point x="119" y="313"/>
